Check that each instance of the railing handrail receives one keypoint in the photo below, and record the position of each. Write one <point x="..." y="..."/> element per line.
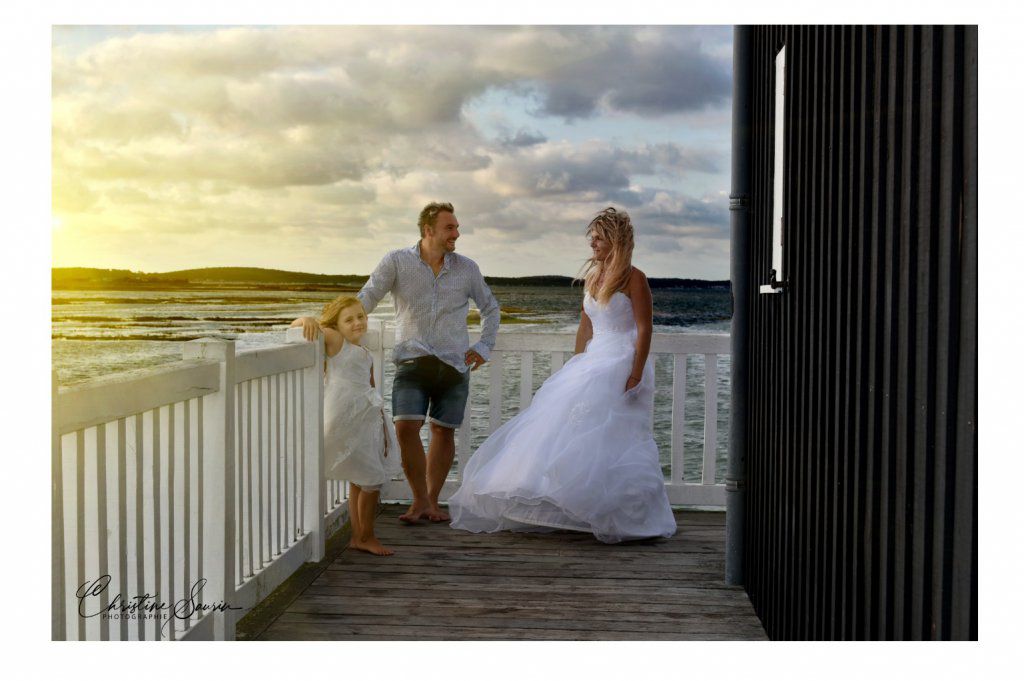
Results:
<point x="541" y="341"/>
<point x="123" y="394"/>
<point x="98" y="391"/>
<point x="118" y="396"/>
<point x="268" y="361"/>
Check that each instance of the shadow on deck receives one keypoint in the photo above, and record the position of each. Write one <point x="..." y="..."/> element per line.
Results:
<point x="444" y="584"/>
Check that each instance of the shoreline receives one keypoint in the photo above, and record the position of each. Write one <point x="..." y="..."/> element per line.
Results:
<point x="259" y="279"/>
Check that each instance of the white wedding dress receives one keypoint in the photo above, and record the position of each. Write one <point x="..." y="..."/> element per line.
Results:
<point x="582" y="455"/>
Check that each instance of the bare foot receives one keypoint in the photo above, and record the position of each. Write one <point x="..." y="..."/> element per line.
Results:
<point x="436" y="515"/>
<point x="415" y="514"/>
<point x="371" y="545"/>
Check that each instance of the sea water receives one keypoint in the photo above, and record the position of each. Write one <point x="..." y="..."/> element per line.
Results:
<point x="99" y="333"/>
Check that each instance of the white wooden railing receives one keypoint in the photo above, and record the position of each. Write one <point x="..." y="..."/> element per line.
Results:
<point x="204" y="474"/>
<point x="559" y="346"/>
<point x="208" y="474"/>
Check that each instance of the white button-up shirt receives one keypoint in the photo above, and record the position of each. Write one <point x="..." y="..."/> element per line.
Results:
<point x="430" y="311"/>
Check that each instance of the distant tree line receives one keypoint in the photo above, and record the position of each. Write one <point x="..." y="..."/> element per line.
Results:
<point x="65" y="278"/>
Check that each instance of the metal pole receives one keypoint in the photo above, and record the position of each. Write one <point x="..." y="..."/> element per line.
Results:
<point x="739" y="261"/>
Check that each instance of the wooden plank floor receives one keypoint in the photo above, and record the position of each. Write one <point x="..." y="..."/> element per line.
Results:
<point x="445" y="584"/>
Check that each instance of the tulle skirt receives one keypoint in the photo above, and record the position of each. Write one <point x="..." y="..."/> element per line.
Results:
<point x="582" y="456"/>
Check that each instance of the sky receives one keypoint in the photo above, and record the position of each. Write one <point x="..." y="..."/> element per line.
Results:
<point x="313" y="148"/>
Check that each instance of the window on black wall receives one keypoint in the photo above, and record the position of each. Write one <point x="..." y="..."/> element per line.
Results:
<point x="776" y="277"/>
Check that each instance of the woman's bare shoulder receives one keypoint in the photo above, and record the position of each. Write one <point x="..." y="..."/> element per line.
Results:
<point x="637" y="282"/>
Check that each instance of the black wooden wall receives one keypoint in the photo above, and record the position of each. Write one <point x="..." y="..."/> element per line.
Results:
<point x="861" y="508"/>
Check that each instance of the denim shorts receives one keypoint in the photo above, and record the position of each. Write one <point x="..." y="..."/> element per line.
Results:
<point x="427" y="387"/>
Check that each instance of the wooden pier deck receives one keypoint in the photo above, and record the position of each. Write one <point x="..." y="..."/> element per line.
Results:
<point x="444" y="584"/>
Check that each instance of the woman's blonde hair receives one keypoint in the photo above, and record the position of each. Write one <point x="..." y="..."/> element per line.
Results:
<point x="614" y="227"/>
<point x="332" y="310"/>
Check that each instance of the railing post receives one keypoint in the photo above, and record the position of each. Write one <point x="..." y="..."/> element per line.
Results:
<point x="313" y="502"/>
<point x="708" y="471"/>
<point x="58" y="603"/>
<point x="218" y="447"/>
<point x="496" y="368"/>
<point x="676" y="469"/>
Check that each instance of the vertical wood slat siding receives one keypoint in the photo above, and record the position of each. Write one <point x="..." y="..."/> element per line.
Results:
<point x="858" y="392"/>
<point x="862" y="455"/>
<point x="869" y="441"/>
<point x="964" y="614"/>
<point x="887" y="350"/>
<point x="798" y="92"/>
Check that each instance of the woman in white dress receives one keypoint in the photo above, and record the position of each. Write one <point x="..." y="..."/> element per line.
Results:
<point x="582" y="456"/>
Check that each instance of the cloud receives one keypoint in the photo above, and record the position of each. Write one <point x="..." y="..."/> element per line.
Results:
<point x="674" y="215"/>
<point x="345" y="132"/>
<point x="522" y="138"/>
<point x="595" y="170"/>
<point x="401" y="78"/>
<point x="344" y="193"/>
<point x="651" y="73"/>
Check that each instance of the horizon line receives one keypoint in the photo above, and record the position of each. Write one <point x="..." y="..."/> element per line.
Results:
<point x="321" y="274"/>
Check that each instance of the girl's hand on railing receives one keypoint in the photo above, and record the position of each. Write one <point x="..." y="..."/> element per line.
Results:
<point x="310" y="327"/>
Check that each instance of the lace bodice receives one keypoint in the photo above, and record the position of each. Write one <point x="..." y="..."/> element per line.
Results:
<point x="615" y="317"/>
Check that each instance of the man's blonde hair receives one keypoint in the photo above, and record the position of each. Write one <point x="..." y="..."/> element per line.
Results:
<point x="428" y="216"/>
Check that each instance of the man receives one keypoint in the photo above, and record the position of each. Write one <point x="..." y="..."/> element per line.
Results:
<point x="431" y="286"/>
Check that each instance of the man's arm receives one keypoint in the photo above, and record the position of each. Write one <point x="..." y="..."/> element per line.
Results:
<point x="380" y="283"/>
<point x="490" y="315"/>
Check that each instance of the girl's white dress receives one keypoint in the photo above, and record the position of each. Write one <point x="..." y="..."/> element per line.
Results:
<point x="357" y="429"/>
<point x="582" y="456"/>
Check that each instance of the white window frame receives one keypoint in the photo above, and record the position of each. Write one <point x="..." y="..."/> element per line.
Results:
<point x="777" y="283"/>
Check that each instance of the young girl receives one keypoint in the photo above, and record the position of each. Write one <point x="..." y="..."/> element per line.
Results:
<point x="359" y="439"/>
